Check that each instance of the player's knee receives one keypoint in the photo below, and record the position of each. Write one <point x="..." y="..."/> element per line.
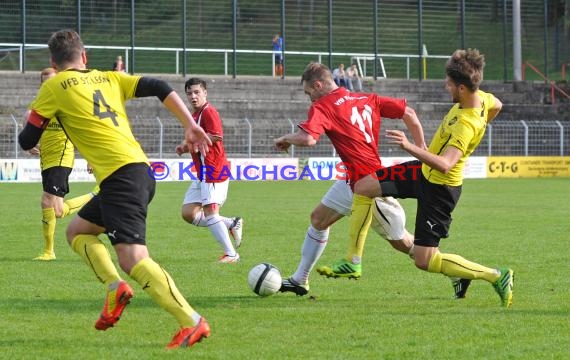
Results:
<point x="71" y="232"/>
<point x="421" y="263"/>
<point x="188" y="217"/>
<point x="318" y="222"/>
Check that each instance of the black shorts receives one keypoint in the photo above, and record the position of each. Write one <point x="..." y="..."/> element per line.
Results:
<point x="121" y="205"/>
<point x="278" y="59"/>
<point x="55" y="180"/>
<point x="435" y="202"/>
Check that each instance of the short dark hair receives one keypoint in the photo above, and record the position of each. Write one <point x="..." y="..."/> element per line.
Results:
<point x="65" y="46"/>
<point x="195" y="81"/>
<point x="465" y="67"/>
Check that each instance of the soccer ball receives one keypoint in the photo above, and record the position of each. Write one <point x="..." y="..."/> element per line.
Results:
<point x="264" y="279"/>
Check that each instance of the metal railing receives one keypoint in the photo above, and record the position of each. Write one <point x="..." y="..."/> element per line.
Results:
<point x="253" y="138"/>
<point x="552" y="83"/>
<point x="361" y="58"/>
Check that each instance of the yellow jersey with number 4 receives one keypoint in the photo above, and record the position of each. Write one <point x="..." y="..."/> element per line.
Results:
<point x="462" y="129"/>
<point x="90" y="106"/>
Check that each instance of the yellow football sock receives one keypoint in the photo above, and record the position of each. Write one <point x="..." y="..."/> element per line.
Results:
<point x="48" y="226"/>
<point x="456" y="266"/>
<point x="96" y="255"/>
<point x="73" y="205"/>
<point x="360" y="219"/>
<point x="156" y="282"/>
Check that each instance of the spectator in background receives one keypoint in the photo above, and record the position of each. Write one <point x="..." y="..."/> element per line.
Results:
<point x="119" y="65"/>
<point x="278" y="54"/>
<point x="339" y="76"/>
<point x="354" y="78"/>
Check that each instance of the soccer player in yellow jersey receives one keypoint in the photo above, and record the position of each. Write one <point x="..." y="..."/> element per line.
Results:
<point x="90" y="106"/>
<point x="435" y="180"/>
<point x="56" y="161"/>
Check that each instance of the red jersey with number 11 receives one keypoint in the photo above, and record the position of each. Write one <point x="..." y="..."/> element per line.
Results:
<point x="352" y="123"/>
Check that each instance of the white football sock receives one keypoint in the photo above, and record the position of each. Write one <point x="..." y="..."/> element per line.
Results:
<point x="200" y="220"/>
<point x="313" y="247"/>
<point x="220" y="232"/>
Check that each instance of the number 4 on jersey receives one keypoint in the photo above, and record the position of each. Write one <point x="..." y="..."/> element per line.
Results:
<point x="98" y="103"/>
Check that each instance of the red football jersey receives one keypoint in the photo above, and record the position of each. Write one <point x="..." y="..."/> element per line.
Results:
<point x="214" y="167"/>
<point x="352" y="123"/>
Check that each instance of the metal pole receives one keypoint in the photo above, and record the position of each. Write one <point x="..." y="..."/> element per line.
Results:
<point x="78" y="17"/>
<point x="132" y="37"/>
<point x="561" y="137"/>
<point x="517" y="52"/>
<point x="463" y="24"/>
<point x="160" y="137"/>
<point x="375" y="38"/>
<point x="292" y="131"/>
<point x="505" y="55"/>
<point x="184" y="37"/>
<point x="420" y="40"/>
<point x="330" y="34"/>
<point x="15" y="136"/>
<point x="546" y="38"/>
<point x="249" y="137"/>
<point x="23" y="54"/>
<point x="283" y="37"/>
<point x="525" y="137"/>
<point x="234" y="38"/>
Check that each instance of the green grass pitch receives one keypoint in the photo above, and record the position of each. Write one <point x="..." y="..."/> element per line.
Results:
<point x="47" y="310"/>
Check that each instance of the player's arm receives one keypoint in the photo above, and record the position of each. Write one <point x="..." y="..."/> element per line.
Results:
<point x="414" y="126"/>
<point x="193" y="133"/>
<point x="442" y="163"/>
<point x="32" y="132"/>
<point x="494" y="111"/>
<point x="300" y="138"/>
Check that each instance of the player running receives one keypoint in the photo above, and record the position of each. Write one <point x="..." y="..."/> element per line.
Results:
<point x="90" y="106"/>
<point x="206" y="195"/>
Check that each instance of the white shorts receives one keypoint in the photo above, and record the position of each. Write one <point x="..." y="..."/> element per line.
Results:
<point x="204" y="193"/>
<point x="339" y="198"/>
<point x="388" y="217"/>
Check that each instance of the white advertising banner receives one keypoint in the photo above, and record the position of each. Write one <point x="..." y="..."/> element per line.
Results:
<point x="182" y="169"/>
<point x="239" y="169"/>
<point x="28" y="170"/>
<point x="330" y="168"/>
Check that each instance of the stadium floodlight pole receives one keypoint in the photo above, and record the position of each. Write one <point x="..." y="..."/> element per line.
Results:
<point x="517" y="52"/>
